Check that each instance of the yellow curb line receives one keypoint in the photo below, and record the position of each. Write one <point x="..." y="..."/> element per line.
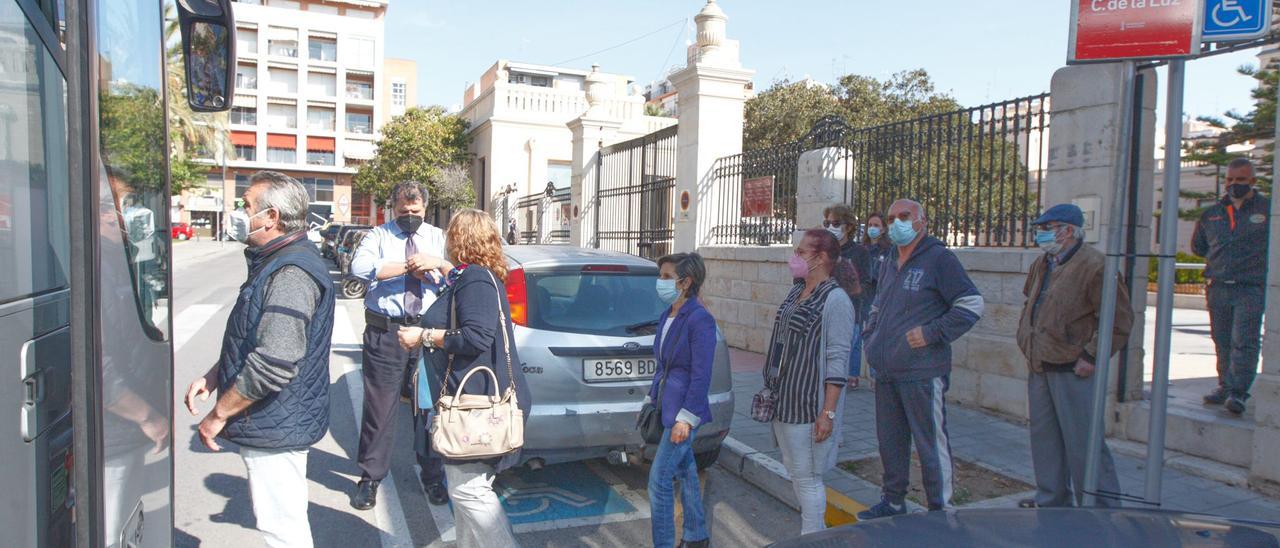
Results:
<point x="841" y="510"/>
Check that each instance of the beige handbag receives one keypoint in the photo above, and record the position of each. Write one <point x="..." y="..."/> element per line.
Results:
<point x="470" y="426"/>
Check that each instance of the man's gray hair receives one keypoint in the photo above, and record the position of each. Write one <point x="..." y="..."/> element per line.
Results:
<point x="1241" y="161"/>
<point x="285" y="195"/>
<point x="1077" y="232"/>
<point x="409" y="191"/>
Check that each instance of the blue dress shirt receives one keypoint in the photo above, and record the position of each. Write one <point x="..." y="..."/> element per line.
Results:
<point x="384" y="244"/>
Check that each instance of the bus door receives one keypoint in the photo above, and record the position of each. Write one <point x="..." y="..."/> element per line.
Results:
<point x="86" y="357"/>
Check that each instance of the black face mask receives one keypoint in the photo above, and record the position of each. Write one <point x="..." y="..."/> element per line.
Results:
<point x="409" y="223"/>
<point x="1239" y="191"/>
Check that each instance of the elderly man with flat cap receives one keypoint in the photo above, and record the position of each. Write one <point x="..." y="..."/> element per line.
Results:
<point x="1058" y="333"/>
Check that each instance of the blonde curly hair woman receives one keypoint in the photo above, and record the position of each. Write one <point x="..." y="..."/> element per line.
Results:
<point x="464" y="324"/>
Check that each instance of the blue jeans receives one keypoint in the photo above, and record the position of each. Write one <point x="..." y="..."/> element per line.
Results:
<point x="675" y="463"/>
<point x="855" y="356"/>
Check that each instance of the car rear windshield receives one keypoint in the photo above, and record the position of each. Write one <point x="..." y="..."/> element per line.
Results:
<point x="615" y="304"/>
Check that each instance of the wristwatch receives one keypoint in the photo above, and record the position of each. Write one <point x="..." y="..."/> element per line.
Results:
<point x="427" y="340"/>
<point x="830" y="414"/>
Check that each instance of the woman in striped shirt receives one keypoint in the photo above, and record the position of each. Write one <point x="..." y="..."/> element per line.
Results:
<point x="808" y="365"/>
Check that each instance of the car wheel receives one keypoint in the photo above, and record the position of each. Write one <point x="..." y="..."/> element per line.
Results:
<point x="705" y="459"/>
<point x="352" y="288"/>
<point x="182" y="237"/>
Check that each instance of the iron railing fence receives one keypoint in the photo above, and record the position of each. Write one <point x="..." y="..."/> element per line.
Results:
<point x="634" y="202"/>
<point x="560" y="202"/>
<point x="978" y="171"/>
<point x="528" y="217"/>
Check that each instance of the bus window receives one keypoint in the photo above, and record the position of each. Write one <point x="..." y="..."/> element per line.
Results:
<point x="34" y="236"/>
<point x="134" y="151"/>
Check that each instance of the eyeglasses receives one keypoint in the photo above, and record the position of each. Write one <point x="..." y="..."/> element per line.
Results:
<point x="904" y="216"/>
<point x="829" y="224"/>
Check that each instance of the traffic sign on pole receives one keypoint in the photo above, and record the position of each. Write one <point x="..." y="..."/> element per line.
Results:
<point x="1236" y="20"/>
<point x="1113" y="30"/>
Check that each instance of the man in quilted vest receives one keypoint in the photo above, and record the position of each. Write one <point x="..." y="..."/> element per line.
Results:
<point x="272" y="376"/>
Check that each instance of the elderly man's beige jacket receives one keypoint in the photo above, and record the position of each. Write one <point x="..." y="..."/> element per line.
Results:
<point x="1064" y="326"/>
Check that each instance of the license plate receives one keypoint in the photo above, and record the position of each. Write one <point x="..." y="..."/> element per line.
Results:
<point x="618" y="369"/>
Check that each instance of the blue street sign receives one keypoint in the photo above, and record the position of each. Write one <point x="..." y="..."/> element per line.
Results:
<point x="1232" y="20"/>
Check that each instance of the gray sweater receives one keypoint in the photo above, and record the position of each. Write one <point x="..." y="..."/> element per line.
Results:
<point x="290" y="302"/>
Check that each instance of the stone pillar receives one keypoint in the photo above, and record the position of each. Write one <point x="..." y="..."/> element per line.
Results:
<point x="712" y="90"/>
<point x="1084" y="148"/>
<point x="590" y="131"/>
<point x="1264" y="474"/>
<point x="821" y="178"/>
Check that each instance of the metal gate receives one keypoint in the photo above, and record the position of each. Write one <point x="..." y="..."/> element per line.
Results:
<point x="634" y="202"/>
<point x="978" y="171"/>
<point x="542" y="218"/>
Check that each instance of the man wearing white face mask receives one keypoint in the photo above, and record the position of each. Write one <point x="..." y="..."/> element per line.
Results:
<point x="1058" y="333"/>
<point x="272" y="376"/>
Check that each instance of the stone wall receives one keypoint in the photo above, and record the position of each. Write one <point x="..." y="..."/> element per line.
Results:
<point x="988" y="370"/>
<point x="744" y="287"/>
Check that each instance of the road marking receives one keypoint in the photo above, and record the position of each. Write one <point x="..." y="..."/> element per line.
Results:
<point x="190" y="321"/>
<point x="393" y="528"/>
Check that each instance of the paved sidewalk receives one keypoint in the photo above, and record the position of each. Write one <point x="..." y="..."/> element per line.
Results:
<point x="975" y="437"/>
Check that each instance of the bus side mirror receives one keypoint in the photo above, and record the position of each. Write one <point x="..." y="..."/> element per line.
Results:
<point x="209" y="53"/>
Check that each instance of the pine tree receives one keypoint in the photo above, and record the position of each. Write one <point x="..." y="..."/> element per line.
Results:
<point x="1256" y="126"/>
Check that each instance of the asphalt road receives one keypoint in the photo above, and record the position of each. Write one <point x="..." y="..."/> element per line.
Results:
<point x="579" y="504"/>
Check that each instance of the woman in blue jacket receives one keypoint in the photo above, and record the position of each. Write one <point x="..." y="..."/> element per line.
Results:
<point x="685" y="347"/>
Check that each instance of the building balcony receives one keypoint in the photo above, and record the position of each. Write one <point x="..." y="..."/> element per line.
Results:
<point x="533" y="104"/>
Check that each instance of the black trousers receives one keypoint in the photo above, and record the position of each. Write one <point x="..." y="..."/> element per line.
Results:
<point x="1235" y="321"/>
<point x="383" y="371"/>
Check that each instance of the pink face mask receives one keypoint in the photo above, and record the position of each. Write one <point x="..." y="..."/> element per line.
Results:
<point x="799" y="267"/>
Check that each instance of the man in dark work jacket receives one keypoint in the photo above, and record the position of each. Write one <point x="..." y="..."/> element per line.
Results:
<point x="1232" y="237"/>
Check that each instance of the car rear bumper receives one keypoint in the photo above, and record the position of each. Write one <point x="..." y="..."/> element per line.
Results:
<point x="558" y="433"/>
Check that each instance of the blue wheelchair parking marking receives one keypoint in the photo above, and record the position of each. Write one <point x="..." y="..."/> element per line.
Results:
<point x="559" y="492"/>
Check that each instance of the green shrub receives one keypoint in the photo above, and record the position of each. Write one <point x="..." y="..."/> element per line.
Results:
<point x="1182" y="276"/>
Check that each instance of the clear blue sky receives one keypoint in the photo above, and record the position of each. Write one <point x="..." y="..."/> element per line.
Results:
<point x="979" y="51"/>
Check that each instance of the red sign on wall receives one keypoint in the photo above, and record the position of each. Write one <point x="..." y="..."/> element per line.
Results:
<point x="1112" y="30"/>
<point x="757" y="197"/>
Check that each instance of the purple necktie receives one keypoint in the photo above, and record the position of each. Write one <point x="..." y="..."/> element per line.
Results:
<point x="412" y="285"/>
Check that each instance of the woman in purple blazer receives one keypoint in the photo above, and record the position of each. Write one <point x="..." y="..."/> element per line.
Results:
<point x="685" y="347"/>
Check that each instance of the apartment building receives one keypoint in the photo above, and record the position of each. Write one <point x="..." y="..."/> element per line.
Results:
<point x="313" y="90"/>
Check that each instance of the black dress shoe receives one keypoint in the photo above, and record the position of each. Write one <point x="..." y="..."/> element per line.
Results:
<point x="704" y="543"/>
<point x="366" y="495"/>
<point x="437" y="494"/>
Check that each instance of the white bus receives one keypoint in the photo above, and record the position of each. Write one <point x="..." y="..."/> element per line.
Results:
<point x="86" y="353"/>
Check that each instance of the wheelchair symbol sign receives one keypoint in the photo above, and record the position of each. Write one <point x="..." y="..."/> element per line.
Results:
<point x="1232" y="20"/>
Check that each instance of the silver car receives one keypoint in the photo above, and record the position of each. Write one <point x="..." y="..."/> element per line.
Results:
<point x="584" y="323"/>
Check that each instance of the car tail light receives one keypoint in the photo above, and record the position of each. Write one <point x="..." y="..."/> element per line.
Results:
<point x="518" y="297"/>
<point x="605" y="268"/>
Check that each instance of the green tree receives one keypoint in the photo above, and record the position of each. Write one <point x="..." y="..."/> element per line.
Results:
<point x="132" y="133"/>
<point x="417" y="146"/>
<point x="787" y="110"/>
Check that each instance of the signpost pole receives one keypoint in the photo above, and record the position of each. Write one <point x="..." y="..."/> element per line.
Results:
<point x="1110" y="282"/>
<point x="1164" y="307"/>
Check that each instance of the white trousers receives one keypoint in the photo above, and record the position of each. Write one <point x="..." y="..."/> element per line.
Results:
<point x="806" y="462"/>
<point x="478" y="517"/>
<point x="278" y="485"/>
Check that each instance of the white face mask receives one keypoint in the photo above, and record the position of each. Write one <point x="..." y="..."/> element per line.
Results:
<point x="238" y="225"/>
<point x="836" y="231"/>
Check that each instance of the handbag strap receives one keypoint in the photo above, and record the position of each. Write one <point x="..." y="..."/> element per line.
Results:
<point x="666" y="371"/>
<point x="453" y="324"/>
<point x="502" y="326"/>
